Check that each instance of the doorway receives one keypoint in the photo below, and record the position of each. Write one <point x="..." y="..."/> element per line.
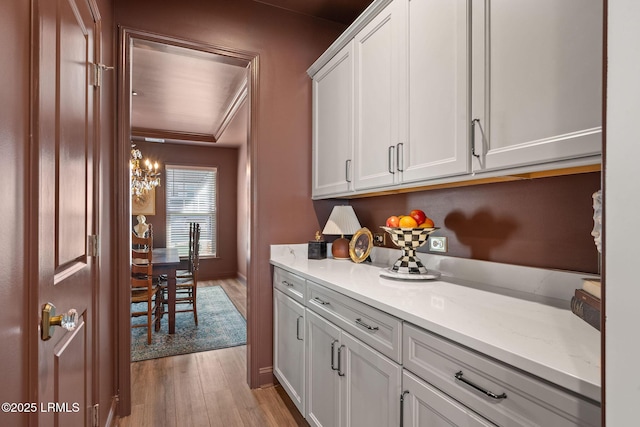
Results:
<point x="128" y="129"/>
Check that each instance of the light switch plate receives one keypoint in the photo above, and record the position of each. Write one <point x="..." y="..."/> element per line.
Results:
<point x="438" y="244"/>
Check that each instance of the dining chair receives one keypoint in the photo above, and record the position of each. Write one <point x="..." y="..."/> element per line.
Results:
<point x="187" y="283"/>
<point x="188" y="272"/>
<point x="143" y="289"/>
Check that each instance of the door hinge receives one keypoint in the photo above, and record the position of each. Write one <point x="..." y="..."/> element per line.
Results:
<point x="97" y="74"/>
<point x="95" y="417"/>
<point x="93" y="247"/>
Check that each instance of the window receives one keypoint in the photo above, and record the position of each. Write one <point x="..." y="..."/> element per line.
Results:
<point x="191" y="197"/>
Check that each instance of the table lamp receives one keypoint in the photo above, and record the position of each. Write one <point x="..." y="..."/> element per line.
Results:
<point x="342" y="221"/>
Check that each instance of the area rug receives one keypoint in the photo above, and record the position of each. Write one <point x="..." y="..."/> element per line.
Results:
<point x="220" y="325"/>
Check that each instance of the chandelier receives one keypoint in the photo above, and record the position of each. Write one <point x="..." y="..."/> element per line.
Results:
<point x="144" y="177"/>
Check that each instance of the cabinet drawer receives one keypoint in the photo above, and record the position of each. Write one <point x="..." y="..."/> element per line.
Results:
<point x="374" y="327"/>
<point x="528" y="402"/>
<point x="289" y="284"/>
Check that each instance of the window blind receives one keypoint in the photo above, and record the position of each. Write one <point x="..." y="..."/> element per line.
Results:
<point x="191" y="197"/>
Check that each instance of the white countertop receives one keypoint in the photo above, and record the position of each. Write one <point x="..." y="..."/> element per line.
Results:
<point x="528" y="333"/>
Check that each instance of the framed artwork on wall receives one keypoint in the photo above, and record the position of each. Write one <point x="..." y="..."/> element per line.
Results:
<point x="144" y="204"/>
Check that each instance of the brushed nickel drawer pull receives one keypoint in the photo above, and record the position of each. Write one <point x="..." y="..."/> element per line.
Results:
<point x="487" y="392"/>
<point x="318" y="300"/>
<point x="361" y="323"/>
<point x="284" y="282"/>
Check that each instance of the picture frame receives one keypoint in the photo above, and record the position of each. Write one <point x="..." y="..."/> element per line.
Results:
<point x="145" y="204"/>
<point x="360" y="245"/>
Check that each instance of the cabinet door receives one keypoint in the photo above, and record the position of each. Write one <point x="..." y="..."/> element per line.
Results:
<point x="333" y="125"/>
<point x="370" y="385"/>
<point x="426" y="406"/>
<point x="537" y="81"/>
<point x="323" y="341"/>
<point x="436" y="141"/>
<point x="379" y="61"/>
<point x="289" y="347"/>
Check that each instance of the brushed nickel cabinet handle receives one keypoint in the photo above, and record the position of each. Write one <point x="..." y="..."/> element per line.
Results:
<point x="288" y="284"/>
<point x="492" y="395"/>
<point x="340" y="373"/>
<point x="333" y="350"/>
<point x="473" y="137"/>
<point x="400" y="157"/>
<point x="390" y="158"/>
<point x="347" y="170"/>
<point x="298" y="327"/>
<point x="402" y="397"/>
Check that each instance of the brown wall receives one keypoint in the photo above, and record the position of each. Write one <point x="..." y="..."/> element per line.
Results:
<point x="544" y="222"/>
<point x="243" y="214"/>
<point x="14" y="143"/>
<point x="287" y="44"/>
<point x="225" y="265"/>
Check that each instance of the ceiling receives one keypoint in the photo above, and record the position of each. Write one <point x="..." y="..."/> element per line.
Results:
<point x="342" y="11"/>
<point x="183" y="94"/>
<point x="189" y="96"/>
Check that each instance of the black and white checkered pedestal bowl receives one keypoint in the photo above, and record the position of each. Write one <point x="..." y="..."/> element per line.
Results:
<point x="408" y="240"/>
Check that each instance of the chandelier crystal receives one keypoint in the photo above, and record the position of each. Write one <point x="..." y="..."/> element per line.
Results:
<point x="144" y="175"/>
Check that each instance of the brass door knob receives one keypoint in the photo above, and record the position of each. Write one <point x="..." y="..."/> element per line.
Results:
<point x="68" y="321"/>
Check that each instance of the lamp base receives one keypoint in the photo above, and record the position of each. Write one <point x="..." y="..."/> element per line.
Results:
<point x="340" y="248"/>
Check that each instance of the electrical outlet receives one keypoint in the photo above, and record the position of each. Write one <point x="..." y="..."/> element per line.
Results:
<point x="379" y="239"/>
<point x="438" y="244"/>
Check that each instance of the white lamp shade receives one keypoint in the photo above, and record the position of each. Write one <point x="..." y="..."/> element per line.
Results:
<point x="343" y="220"/>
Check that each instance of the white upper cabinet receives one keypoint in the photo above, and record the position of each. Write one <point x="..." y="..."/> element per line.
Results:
<point x="537" y="81"/>
<point x="412" y="93"/>
<point x="379" y="51"/>
<point x="333" y="125"/>
<point x="420" y="92"/>
<point x="435" y="124"/>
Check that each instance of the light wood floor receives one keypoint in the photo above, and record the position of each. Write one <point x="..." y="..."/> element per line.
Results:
<point x="207" y="388"/>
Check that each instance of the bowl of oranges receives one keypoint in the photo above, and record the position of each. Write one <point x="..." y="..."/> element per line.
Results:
<point x="409" y="232"/>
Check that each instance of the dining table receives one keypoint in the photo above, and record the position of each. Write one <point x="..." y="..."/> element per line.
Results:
<point x="166" y="261"/>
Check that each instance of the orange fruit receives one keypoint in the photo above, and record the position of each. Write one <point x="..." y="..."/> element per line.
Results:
<point x="407" y="222"/>
<point x="428" y="223"/>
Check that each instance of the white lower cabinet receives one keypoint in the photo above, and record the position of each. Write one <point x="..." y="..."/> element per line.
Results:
<point x="323" y="382"/>
<point x="289" y="347"/>
<point x="348" y="383"/>
<point x="426" y="406"/>
<point x="492" y="389"/>
<point x="347" y="364"/>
